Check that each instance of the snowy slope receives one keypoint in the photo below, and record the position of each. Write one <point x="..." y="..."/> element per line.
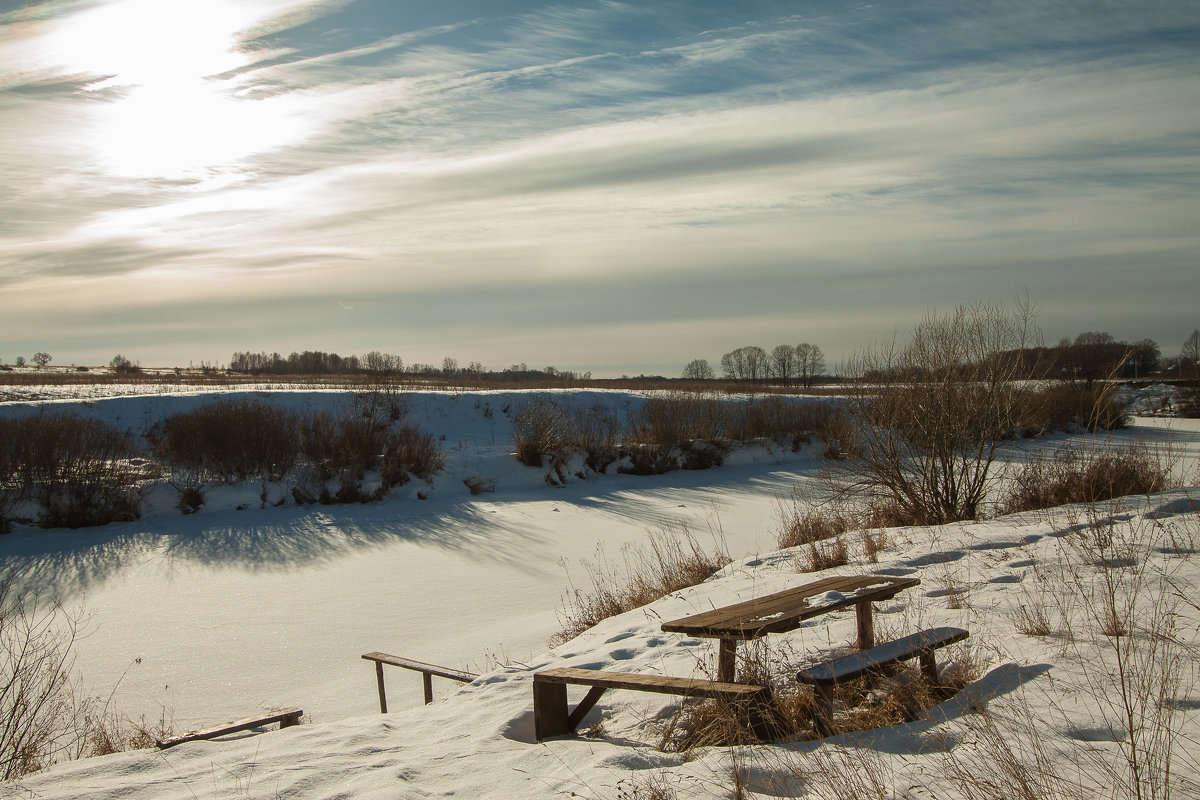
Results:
<point x="233" y="611"/>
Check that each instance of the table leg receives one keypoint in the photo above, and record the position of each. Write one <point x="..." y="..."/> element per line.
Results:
<point x="727" y="660"/>
<point x="866" y="625"/>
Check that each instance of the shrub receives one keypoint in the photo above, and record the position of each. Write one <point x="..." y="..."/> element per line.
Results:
<point x="35" y="658"/>
<point x="410" y="451"/>
<point x="597" y="432"/>
<point x="929" y="415"/>
<point x="1072" y="476"/>
<point x="1187" y="401"/>
<point x="45" y="715"/>
<point x="1066" y="407"/>
<point x="230" y="440"/>
<point x="677" y="418"/>
<point x="78" y="470"/>
<point x="11" y="488"/>
<point x="779" y="420"/>
<point x="540" y="430"/>
<point x="346" y="448"/>
<point x="701" y="454"/>
<point x="650" y="459"/>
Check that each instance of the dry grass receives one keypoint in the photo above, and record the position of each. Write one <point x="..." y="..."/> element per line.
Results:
<point x="654" y="787"/>
<point x="1074" y="476"/>
<point x="824" y="555"/>
<point x="873" y="545"/>
<point x="1009" y="758"/>
<point x="476" y="484"/>
<point x="46" y="717"/>
<point x="718" y="723"/>
<point x="803" y="525"/>
<point x="231" y="441"/>
<point x="867" y="704"/>
<point x="668" y="560"/>
<point x="953" y="589"/>
<point x="1032" y="618"/>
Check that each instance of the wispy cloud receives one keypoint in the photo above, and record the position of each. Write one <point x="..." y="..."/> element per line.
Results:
<point x="594" y="170"/>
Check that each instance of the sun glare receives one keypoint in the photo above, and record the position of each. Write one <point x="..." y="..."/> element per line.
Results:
<point x="175" y="118"/>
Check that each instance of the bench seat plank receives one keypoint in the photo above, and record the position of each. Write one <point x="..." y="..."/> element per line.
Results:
<point x="551" y="718"/>
<point x="826" y="675"/>
<point x="854" y="665"/>
<point x="285" y="718"/>
<point x="687" y="687"/>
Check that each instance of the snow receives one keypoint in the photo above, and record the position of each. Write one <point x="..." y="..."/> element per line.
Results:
<point x="223" y="613"/>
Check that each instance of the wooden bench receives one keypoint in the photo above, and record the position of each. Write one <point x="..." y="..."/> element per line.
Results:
<point x="427" y="672"/>
<point x="286" y="718"/>
<point x="551" y="718"/>
<point x="828" y="674"/>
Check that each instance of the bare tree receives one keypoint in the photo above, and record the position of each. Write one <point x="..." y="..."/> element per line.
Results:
<point x="810" y="362"/>
<point x="123" y="366"/>
<point x="37" y="701"/>
<point x="757" y="363"/>
<point x="929" y="415"/>
<point x="1189" y="356"/>
<point x="384" y="397"/>
<point x="733" y="364"/>
<point x="783" y="362"/>
<point x="384" y="363"/>
<point x="1145" y="358"/>
<point x="698" y="370"/>
<point x="1093" y="356"/>
<point x="42" y="359"/>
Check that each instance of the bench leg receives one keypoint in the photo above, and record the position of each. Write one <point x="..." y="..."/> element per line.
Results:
<point x="757" y="715"/>
<point x="929" y="666"/>
<point x="585" y="705"/>
<point x="549" y="709"/>
<point x="379" y="681"/>
<point x="823" y="708"/>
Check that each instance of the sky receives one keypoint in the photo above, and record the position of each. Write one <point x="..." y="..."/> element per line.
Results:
<point x="596" y="186"/>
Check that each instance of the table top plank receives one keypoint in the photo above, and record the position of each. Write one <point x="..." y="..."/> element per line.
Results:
<point x="787" y="610"/>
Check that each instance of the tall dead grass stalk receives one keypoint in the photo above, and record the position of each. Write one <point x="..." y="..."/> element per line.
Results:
<point x="669" y="559"/>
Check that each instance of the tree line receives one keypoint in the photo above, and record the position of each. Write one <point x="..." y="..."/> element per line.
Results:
<point x="318" y="362"/>
<point x="1089" y="357"/>
<point x="803" y="363"/>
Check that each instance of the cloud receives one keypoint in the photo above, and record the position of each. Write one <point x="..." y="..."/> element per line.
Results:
<point x="629" y="165"/>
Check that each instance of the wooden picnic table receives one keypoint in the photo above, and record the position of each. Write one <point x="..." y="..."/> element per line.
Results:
<point x="787" y="610"/>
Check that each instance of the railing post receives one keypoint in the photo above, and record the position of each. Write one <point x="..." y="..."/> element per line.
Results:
<point x="382" y="694"/>
<point x="428" y="680"/>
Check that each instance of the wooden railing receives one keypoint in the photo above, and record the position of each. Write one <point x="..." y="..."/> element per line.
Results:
<point x="427" y="672"/>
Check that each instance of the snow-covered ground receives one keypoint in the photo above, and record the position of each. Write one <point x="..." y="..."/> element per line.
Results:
<point x="223" y="613"/>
